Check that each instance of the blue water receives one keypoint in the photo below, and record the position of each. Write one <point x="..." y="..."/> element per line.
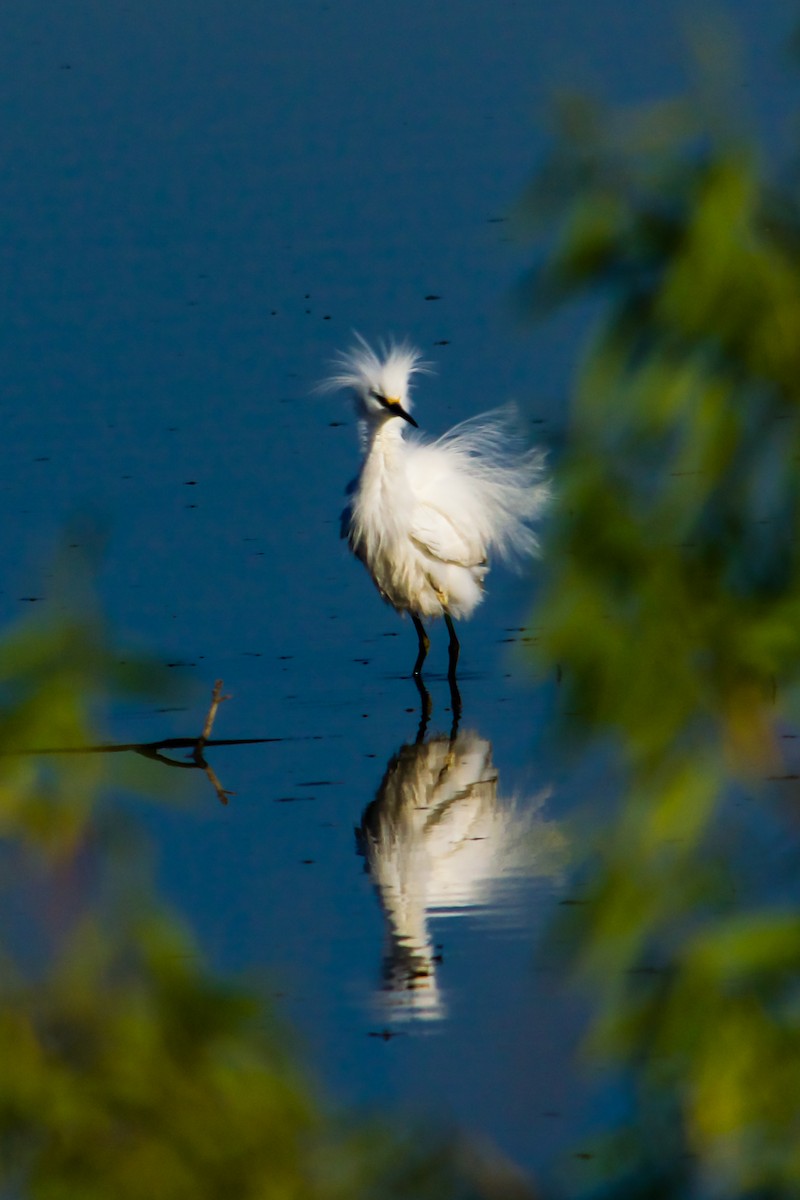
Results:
<point x="200" y="202"/>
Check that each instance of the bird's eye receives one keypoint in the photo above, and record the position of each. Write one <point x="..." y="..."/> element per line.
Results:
<point x="377" y="395"/>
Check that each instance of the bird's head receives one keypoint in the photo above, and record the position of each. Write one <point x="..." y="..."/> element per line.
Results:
<point x="380" y="381"/>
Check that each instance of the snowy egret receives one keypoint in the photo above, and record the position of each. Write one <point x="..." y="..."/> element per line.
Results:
<point x="424" y="516"/>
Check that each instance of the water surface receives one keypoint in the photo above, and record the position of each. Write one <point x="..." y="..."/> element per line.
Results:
<point x="200" y="202"/>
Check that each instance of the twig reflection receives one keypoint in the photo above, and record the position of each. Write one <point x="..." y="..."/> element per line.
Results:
<point x="196" y="760"/>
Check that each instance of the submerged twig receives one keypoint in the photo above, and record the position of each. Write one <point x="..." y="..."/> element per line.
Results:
<point x="155" y="750"/>
<point x="198" y="757"/>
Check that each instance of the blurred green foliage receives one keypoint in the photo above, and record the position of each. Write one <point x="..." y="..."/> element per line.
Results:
<point x="127" y="1069"/>
<point x="671" y="600"/>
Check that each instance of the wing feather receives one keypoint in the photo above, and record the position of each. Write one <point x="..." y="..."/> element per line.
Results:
<point x="437" y="535"/>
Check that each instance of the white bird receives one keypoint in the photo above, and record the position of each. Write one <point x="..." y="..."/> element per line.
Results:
<point x="424" y="516"/>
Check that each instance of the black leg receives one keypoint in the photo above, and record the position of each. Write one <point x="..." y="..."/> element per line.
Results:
<point x="426" y="708"/>
<point x="453" y="650"/>
<point x="424" y="644"/>
<point x="455" y="706"/>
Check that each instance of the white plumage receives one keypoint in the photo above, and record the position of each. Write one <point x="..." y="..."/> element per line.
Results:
<point x="425" y="516"/>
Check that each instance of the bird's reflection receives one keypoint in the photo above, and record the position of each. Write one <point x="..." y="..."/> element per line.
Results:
<point x="438" y="841"/>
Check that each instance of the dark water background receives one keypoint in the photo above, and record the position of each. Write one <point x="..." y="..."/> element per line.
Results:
<point x="199" y="202"/>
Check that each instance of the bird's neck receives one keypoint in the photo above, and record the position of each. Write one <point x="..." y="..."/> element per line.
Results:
<point x="382" y="440"/>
